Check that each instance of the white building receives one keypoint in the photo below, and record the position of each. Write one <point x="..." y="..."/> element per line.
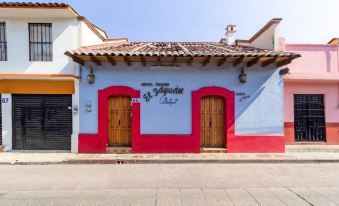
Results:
<point x="38" y="83"/>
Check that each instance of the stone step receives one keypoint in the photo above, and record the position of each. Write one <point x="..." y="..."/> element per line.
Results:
<point x="119" y="150"/>
<point x="312" y="148"/>
<point x="213" y="150"/>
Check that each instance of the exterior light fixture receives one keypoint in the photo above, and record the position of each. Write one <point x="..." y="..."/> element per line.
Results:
<point x="283" y="72"/>
<point x="90" y="76"/>
<point x="242" y="76"/>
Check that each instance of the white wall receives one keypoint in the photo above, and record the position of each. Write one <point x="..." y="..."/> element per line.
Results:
<point x="7" y="121"/>
<point x="88" y="37"/>
<point x="268" y="39"/>
<point x="67" y="34"/>
<point x="64" y="38"/>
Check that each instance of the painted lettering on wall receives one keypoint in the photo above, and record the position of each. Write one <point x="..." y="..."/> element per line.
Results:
<point x="168" y="100"/>
<point x="243" y="96"/>
<point x="166" y="93"/>
<point x="4" y="100"/>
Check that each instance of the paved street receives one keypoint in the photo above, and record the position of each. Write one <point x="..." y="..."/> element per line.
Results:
<point x="168" y="184"/>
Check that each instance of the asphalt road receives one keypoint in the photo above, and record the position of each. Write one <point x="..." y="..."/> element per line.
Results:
<point x="170" y="184"/>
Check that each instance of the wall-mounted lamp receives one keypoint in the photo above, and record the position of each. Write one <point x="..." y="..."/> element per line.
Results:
<point x="283" y="72"/>
<point x="90" y="76"/>
<point x="242" y="76"/>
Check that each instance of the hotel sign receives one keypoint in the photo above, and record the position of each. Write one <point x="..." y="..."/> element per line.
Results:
<point x="163" y="91"/>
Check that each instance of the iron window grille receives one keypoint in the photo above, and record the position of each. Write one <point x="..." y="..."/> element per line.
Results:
<point x="3" y="42"/>
<point x="40" y="42"/>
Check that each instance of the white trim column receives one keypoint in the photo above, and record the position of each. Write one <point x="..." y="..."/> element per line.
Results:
<point x="75" y="109"/>
<point x="6" y="108"/>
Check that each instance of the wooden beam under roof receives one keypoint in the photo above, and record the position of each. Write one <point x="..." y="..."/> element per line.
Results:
<point x="111" y="60"/>
<point x="283" y="62"/>
<point x="95" y="60"/>
<point x="237" y="61"/>
<point x="222" y="61"/>
<point x="268" y="62"/>
<point x="143" y="61"/>
<point x="253" y="61"/>
<point x="190" y="61"/>
<point x="174" y="62"/>
<point x="78" y="60"/>
<point x="159" y="60"/>
<point x="206" y="61"/>
<point x="127" y="61"/>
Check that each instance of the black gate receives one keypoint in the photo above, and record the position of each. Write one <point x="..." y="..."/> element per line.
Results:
<point x="42" y="122"/>
<point x="0" y="120"/>
<point x="309" y="118"/>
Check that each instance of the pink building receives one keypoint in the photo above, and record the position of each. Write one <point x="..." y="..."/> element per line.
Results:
<point x="312" y="94"/>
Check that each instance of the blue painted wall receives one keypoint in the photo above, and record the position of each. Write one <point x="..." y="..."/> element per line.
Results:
<point x="259" y="111"/>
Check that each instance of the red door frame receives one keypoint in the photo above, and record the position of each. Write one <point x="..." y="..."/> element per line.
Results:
<point x="229" y="110"/>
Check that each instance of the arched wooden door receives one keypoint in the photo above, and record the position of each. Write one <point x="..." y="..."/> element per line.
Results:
<point x="212" y="126"/>
<point x="120" y="121"/>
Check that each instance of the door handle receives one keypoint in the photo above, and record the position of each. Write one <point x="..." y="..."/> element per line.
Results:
<point x="210" y="123"/>
<point x="119" y="122"/>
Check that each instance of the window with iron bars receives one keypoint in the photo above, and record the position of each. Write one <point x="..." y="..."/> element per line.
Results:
<point x="40" y="42"/>
<point x="3" y="42"/>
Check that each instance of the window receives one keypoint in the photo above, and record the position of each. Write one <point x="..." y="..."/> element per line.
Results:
<point x="40" y="42"/>
<point x="3" y="42"/>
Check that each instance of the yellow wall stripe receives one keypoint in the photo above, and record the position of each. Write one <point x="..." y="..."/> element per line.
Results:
<point x="37" y="86"/>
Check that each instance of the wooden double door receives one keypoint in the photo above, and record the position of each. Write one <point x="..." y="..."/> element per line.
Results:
<point x="212" y="117"/>
<point x="120" y="121"/>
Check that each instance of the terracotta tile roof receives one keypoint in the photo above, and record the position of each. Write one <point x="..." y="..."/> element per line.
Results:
<point x="334" y="41"/>
<point x="181" y="49"/>
<point x="32" y="4"/>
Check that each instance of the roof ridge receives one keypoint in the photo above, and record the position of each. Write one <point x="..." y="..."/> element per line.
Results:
<point x="184" y="48"/>
<point x="140" y="47"/>
<point x="229" y="50"/>
<point x="17" y="3"/>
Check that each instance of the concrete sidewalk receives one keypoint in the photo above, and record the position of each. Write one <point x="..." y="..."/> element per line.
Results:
<point x="16" y="157"/>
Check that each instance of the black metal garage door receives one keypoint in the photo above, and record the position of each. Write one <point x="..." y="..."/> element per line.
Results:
<point x="42" y="122"/>
<point x="0" y="120"/>
<point x="309" y="117"/>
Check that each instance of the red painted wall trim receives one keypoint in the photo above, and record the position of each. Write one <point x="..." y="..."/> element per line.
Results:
<point x="159" y="143"/>
<point x="256" y="144"/>
<point x="332" y="134"/>
<point x="229" y="97"/>
<point x="91" y="143"/>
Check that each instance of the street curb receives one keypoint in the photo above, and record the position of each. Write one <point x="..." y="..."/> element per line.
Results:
<point x="172" y="161"/>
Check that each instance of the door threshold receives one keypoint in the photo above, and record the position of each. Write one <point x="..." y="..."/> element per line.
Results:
<point x="120" y="150"/>
<point x="39" y="151"/>
<point x="212" y="150"/>
<point x="310" y="143"/>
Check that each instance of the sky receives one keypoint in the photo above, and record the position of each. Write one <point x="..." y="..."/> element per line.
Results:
<point x="304" y="21"/>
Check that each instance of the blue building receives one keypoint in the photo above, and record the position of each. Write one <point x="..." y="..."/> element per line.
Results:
<point x="181" y="96"/>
